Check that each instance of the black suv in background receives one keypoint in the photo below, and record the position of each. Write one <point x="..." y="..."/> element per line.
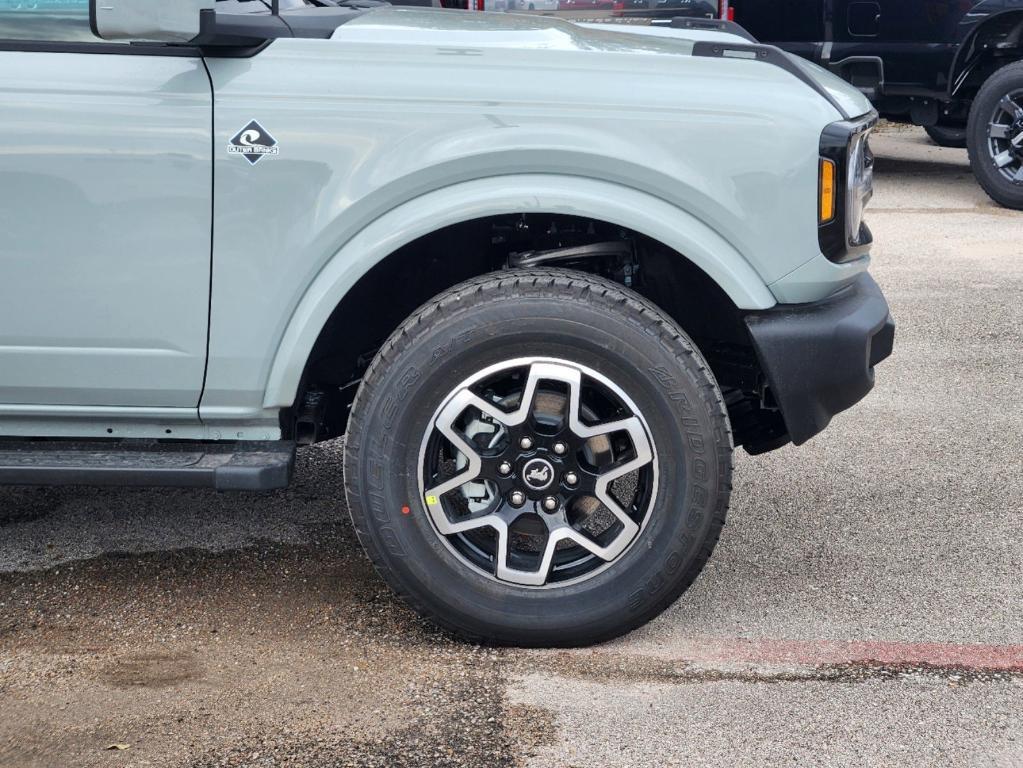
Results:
<point x="954" y="67"/>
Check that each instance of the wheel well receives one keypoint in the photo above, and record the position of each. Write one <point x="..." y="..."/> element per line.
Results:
<point x="993" y="44"/>
<point x="393" y="289"/>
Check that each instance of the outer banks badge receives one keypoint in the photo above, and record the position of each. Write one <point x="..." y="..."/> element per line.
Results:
<point x="253" y="142"/>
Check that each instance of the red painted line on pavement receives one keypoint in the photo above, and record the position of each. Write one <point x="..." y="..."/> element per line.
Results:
<point x="976" y="656"/>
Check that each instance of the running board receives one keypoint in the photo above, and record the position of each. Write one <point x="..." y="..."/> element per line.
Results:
<point x="238" y="466"/>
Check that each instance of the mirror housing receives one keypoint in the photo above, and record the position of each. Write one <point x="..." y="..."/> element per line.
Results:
<point x="164" y="21"/>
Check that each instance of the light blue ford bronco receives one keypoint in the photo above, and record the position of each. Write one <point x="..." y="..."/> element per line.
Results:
<point x="543" y="276"/>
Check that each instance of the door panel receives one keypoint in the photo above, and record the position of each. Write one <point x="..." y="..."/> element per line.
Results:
<point x="781" y="20"/>
<point x="795" y="25"/>
<point x="914" y="37"/>
<point x="105" y="218"/>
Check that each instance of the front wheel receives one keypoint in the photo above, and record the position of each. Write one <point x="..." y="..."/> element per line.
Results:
<point x="538" y="458"/>
<point x="996" y="136"/>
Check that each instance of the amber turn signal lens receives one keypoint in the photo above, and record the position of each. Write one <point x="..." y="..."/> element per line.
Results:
<point x="827" y="189"/>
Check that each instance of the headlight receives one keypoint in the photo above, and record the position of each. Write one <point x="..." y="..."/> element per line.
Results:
<point x="860" y="186"/>
<point x="846" y="186"/>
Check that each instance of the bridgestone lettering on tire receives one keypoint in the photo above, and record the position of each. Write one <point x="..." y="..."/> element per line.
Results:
<point x="538" y="458"/>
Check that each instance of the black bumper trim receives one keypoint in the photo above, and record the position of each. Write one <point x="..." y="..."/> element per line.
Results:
<point x="819" y="358"/>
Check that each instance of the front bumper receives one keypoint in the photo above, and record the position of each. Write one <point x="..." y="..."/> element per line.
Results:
<point x="819" y="358"/>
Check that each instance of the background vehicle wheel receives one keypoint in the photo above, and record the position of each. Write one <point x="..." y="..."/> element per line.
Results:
<point x="996" y="136"/>
<point x="947" y="136"/>
<point x="538" y="458"/>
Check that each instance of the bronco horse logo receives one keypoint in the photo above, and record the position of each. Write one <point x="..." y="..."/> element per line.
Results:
<point x="538" y="475"/>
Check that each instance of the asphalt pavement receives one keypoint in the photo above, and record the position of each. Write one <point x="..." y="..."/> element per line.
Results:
<point x="864" y="605"/>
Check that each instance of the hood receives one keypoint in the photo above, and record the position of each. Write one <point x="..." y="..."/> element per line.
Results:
<point x="850" y="99"/>
<point x="467" y="31"/>
<point x="463" y="32"/>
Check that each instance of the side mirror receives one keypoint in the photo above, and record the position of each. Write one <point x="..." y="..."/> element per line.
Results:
<point x="164" y="21"/>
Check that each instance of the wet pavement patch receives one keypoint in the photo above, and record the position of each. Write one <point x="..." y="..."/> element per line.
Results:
<point x="151" y="670"/>
<point x="468" y="730"/>
<point x="275" y="655"/>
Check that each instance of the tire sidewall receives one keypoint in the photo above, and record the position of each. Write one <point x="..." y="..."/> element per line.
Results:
<point x="1000" y="189"/>
<point x="688" y="432"/>
<point x="949" y="137"/>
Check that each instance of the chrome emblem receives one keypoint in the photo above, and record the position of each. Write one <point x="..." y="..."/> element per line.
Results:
<point x="538" y="474"/>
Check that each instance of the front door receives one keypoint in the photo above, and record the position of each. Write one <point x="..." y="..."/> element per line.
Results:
<point x="105" y="216"/>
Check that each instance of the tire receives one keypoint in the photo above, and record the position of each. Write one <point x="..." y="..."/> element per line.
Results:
<point x="992" y="131"/>
<point x="548" y="322"/>
<point x="947" y="136"/>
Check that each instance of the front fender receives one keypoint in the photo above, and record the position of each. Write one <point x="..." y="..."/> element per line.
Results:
<point x="532" y="193"/>
<point x="981" y="13"/>
<point x="982" y="19"/>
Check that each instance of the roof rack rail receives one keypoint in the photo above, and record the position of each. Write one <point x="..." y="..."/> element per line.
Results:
<point x="708" y="25"/>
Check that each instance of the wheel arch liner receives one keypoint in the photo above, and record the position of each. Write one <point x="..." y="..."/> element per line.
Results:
<point x="1013" y="16"/>
<point x="616" y="204"/>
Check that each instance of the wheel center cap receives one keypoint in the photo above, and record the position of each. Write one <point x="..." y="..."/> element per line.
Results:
<point x="538" y="474"/>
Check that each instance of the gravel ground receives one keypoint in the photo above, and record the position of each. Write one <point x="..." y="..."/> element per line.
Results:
<point x="865" y="604"/>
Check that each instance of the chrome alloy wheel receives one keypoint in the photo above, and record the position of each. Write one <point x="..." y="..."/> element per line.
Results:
<point x="1005" y="136"/>
<point x="538" y="472"/>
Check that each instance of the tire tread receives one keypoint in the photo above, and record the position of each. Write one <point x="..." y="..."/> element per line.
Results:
<point x="563" y="285"/>
<point x="1002" y="192"/>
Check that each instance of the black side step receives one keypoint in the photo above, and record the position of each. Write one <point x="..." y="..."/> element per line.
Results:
<point x="237" y="466"/>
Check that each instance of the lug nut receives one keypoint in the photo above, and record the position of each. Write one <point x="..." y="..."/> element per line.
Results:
<point x="571" y="478"/>
<point x="550" y="503"/>
<point x="517" y="498"/>
<point x="504" y="468"/>
<point x="525" y="443"/>
<point x="560" y="448"/>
